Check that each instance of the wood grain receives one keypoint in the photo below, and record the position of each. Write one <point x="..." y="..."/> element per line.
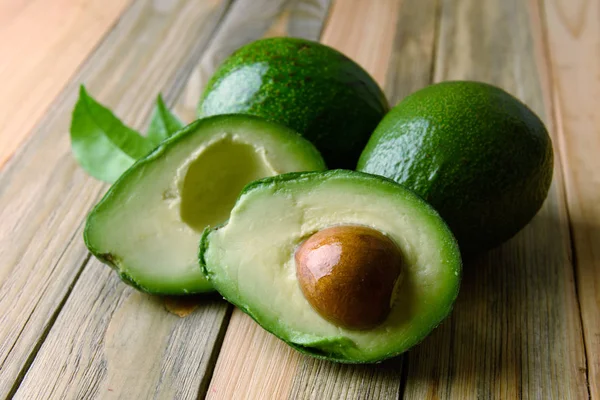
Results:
<point x="79" y="377"/>
<point x="115" y="342"/>
<point x="572" y="30"/>
<point x="405" y="33"/>
<point x="44" y="196"/>
<point x="252" y="363"/>
<point x="249" y="21"/>
<point x="411" y="59"/>
<point x="316" y="379"/>
<point x="371" y="46"/>
<point x="42" y="43"/>
<point x="299" y="376"/>
<point x="515" y="331"/>
<point x="528" y="312"/>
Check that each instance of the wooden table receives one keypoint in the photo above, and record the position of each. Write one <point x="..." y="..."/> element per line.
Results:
<point x="527" y="321"/>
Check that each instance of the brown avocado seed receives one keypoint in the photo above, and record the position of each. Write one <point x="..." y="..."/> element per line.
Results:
<point x="348" y="274"/>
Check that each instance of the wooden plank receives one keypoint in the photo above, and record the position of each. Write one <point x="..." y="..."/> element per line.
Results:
<point x="252" y="363"/>
<point x="406" y="65"/>
<point x="95" y="357"/>
<point x="411" y="61"/>
<point x="371" y="46"/>
<point x="249" y="21"/>
<point x="255" y="364"/>
<point x="42" y="44"/>
<point x="316" y="379"/>
<point x="116" y="342"/>
<point x="573" y="40"/>
<point x="44" y="195"/>
<point x="515" y="331"/>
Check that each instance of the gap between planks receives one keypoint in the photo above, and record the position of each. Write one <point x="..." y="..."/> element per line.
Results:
<point x="44" y="333"/>
<point x="570" y="33"/>
<point x="45" y="41"/>
<point x="518" y="298"/>
<point x="255" y="364"/>
<point x="33" y="200"/>
<point x="69" y="310"/>
<point x="543" y="344"/>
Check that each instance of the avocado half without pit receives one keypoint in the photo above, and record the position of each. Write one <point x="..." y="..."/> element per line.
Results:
<point x="148" y="224"/>
<point x="341" y="265"/>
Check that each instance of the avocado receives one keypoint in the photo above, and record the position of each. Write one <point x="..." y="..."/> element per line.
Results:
<point x="304" y="85"/>
<point x="148" y="225"/>
<point x="261" y="269"/>
<point x="478" y="155"/>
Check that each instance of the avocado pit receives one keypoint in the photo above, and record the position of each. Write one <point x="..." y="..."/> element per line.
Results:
<point x="349" y="274"/>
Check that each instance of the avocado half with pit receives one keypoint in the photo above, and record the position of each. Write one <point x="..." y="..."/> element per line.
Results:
<point x="341" y="265"/>
<point x="148" y="225"/>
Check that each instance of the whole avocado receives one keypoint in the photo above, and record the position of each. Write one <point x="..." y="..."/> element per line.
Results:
<point x="481" y="157"/>
<point x="307" y="86"/>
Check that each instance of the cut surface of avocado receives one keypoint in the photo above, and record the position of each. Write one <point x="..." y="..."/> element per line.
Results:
<point x="149" y="223"/>
<point x="255" y="268"/>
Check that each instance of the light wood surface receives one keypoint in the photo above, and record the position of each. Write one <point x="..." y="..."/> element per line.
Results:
<point x="515" y="329"/>
<point x="371" y="47"/>
<point x="256" y="374"/>
<point x="252" y="362"/>
<point x="247" y="21"/>
<point x="527" y="321"/>
<point x="42" y="43"/>
<point x="44" y="197"/>
<point x="573" y="39"/>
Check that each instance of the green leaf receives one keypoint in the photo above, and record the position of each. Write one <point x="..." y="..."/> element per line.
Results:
<point x="101" y="143"/>
<point x="163" y="124"/>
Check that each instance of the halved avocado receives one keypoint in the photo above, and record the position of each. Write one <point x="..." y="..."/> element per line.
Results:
<point x="148" y="224"/>
<point x="251" y="260"/>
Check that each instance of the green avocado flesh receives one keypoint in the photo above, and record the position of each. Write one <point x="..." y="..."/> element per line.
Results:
<point x="307" y="86"/>
<point x="149" y="223"/>
<point x="478" y="155"/>
<point x="250" y="260"/>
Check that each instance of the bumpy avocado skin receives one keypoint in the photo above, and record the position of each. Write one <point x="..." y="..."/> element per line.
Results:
<point x="305" y="85"/>
<point x="481" y="157"/>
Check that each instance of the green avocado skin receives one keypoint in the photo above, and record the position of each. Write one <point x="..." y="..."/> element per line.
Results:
<point x="481" y="157"/>
<point x="304" y="85"/>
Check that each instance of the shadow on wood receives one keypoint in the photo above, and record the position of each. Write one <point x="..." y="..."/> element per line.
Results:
<point x="182" y="306"/>
<point x="512" y="324"/>
<point x="316" y="379"/>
